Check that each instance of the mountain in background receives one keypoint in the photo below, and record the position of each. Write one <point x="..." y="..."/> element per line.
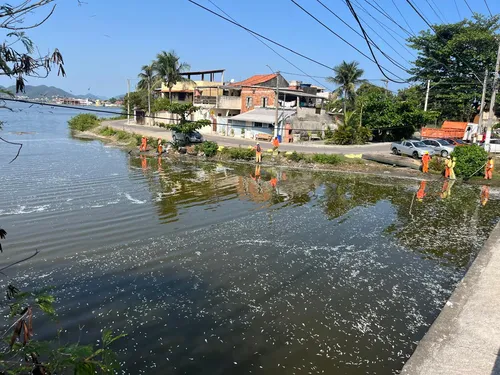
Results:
<point x="41" y="91"/>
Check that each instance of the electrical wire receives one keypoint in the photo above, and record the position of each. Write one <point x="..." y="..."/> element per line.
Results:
<point x="350" y="44"/>
<point x="272" y="49"/>
<point x="261" y="36"/>
<point x="369" y="46"/>
<point x="487" y="6"/>
<point x="437" y="35"/>
<point x="458" y="11"/>
<point x="386" y="15"/>
<point x="403" y="17"/>
<point x="439" y="10"/>
<point x="434" y="10"/>
<point x="398" y="64"/>
<point x="468" y="6"/>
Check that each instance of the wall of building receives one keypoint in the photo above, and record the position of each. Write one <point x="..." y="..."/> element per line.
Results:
<point x="256" y="95"/>
<point x="191" y="85"/>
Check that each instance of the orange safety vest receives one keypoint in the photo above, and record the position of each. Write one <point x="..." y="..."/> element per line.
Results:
<point x="490" y="164"/>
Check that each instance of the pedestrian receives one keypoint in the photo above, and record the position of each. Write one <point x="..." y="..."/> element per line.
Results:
<point x="160" y="147"/>
<point x="258" y="153"/>
<point x="452" y="168"/>
<point x="488" y="170"/>
<point x="143" y="144"/>
<point x="274" y="182"/>
<point x="447" y="167"/>
<point x="276" y="144"/>
<point x="426" y="158"/>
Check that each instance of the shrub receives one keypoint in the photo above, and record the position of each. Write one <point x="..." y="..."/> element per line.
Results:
<point x="295" y="156"/>
<point x="209" y="148"/>
<point x="239" y="153"/>
<point x="348" y="135"/>
<point x="436" y="164"/>
<point x="107" y="131"/>
<point x="84" y="122"/>
<point x="326" y="158"/>
<point x="328" y="133"/>
<point x="470" y="159"/>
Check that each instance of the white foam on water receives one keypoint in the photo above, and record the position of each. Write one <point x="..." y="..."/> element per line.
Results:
<point x="133" y="200"/>
<point x="23" y="210"/>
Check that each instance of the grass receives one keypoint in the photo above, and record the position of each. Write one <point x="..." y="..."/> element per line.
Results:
<point x="84" y="122"/>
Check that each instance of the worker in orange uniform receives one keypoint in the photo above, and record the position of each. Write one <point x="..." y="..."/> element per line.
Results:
<point x="274" y="182"/>
<point x="426" y="158"/>
<point x="160" y="147"/>
<point x="447" y="167"/>
<point x="421" y="191"/>
<point x="258" y="153"/>
<point x="453" y="164"/>
<point x="276" y="144"/>
<point x="485" y="195"/>
<point x="144" y="163"/>
<point x="488" y="170"/>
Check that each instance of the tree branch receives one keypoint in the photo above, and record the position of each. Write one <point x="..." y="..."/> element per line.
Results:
<point x="14" y="143"/>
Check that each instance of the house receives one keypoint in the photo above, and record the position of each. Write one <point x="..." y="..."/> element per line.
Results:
<point x="259" y="121"/>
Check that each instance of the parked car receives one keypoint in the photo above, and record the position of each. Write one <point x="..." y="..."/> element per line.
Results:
<point x="455" y="142"/>
<point x="494" y="146"/>
<point x="191" y="137"/>
<point x="440" y="146"/>
<point x="411" y="148"/>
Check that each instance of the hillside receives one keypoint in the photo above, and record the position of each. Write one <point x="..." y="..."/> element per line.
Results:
<point x="40" y="91"/>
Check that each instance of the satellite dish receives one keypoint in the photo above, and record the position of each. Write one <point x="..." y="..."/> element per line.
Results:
<point x="232" y="80"/>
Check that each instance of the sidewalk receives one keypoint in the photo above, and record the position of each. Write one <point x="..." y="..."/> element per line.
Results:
<point x="306" y="147"/>
<point x="465" y="338"/>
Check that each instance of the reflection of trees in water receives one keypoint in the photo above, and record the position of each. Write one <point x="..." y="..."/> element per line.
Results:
<point x="451" y="230"/>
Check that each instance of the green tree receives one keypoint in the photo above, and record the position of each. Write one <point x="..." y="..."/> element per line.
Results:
<point x="112" y="100"/>
<point x="148" y="81"/>
<point x="351" y="131"/>
<point x="183" y="110"/>
<point x="138" y="99"/>
<point x="347" y="77"/>
<point x="454" y="58"/>
<point x="169" y="68"/>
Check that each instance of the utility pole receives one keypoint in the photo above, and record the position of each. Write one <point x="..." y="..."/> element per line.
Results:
<point x="483" y="100"/>
<point x="149" y="97"/>
<point x="427" y="94"/>
<point x="276" y="100"/>
<point x="128" y="102"/>
<point x="386" y="86"/>
<point x="492" y="103"/>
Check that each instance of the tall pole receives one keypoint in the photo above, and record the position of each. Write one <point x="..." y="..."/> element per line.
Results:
<point x="128" y="101"/>
<point x="427" y="94"/>
<point x="483" y="100"/>
<point x="276" y="100"/>
<point x="492" y="103"/>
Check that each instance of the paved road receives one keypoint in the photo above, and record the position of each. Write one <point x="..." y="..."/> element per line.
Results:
<point x="306" y="147"/>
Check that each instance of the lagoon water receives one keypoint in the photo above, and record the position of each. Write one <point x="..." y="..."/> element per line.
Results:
<point x="209" y="269"/>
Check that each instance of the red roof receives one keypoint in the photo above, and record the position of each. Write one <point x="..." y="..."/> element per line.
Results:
<point x="255" y="80"/>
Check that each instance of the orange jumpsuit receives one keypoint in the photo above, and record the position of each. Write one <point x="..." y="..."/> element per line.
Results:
<point x="274" y="182"/>
<point x="488" y="171"/>
<point x="485" y="195"/>
<point x="276" y="144"/>
<point x="144" y="143"/>
<point x="258" y="154"/>
<point x="421" y="191"/>
<point x="160" y="148"/>
<point x="426" y="158"/>
<point x="447" y="168"/>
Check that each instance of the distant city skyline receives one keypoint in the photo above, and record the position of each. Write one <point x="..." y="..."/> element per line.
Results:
<point x="105" y="43"/>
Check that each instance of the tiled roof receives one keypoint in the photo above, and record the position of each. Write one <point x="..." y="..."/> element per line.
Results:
<point x="255" y="80"/>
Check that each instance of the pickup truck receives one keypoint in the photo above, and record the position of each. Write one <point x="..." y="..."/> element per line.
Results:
<point x="411" y="148"/>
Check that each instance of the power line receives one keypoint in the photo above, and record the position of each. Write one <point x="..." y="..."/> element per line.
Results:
<point x="458" y="11"/>
<point x="487" y="6"/>
<point x="271" y="48"/>
<point x="434" y="10"/>
<point x="350" y="44"/>
<point x="261" y="36"/>
<point x="384" y="13"/>
<point x="403" y="17"/>
<point x="322" y="77"/>
<point x="468" y="6"/>
<point x="438" y="36"/>
<point x="439" y="10"/>
<point x="398" y="64"/>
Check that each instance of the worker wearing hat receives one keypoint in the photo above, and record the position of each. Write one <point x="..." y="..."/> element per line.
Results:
<point x="426" y="158"/>
<point x="258" y="153"/>
<point x="447" y="167"/>
<point x="452" y="168"/>
<point x="488" y="170"/>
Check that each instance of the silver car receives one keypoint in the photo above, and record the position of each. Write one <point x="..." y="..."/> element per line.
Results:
<point x="440" y="146"/>
<point x="191" y="137"/>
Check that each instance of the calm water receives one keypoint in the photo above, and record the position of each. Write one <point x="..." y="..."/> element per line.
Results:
<point x="210" y="270"/>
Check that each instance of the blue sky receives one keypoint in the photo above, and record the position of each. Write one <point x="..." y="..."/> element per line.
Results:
<point x="107" y="41"/>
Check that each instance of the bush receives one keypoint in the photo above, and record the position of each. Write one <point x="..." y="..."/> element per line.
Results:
<point x="295" y="156"/>
<point x="84" y="122"/>
<point x="326" y="158"/>
<point x="436" y="164"/>
<point x="328" y="133"/>
<point x="209" y="148"/>
<point x="239" y="153"/>
<point x="107" y="131"/>
<point x="349" y="135"/>
<point x="470" y="160"/>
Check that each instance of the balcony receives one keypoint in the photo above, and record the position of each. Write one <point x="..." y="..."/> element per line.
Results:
<point x="207" y="100"/>
<point x="225" y="102"/>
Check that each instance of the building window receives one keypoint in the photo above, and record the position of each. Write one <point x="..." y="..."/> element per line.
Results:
<point x="318" y="110"/>
<point x="264" y="102"/>
<point x="257" y="124"/>
<point x="181" y="96"/>
<point x="249" y="102"/>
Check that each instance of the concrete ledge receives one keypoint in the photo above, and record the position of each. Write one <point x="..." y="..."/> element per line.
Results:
<point x="465" y="338"/>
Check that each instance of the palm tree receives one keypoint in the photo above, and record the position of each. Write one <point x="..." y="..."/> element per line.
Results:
<point x="348" y="77"/>
<point x="168" y="68"/>
<point x="148" y="81"/>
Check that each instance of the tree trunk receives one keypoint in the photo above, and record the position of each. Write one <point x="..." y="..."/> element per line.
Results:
<point x="345" y="103"/>
<point x="170" y="94"/>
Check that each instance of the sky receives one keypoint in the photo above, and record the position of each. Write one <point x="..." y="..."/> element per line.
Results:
<point x="105" y="42"/>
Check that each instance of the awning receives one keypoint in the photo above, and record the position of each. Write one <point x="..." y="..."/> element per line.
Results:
<point x="264" y="115"/>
